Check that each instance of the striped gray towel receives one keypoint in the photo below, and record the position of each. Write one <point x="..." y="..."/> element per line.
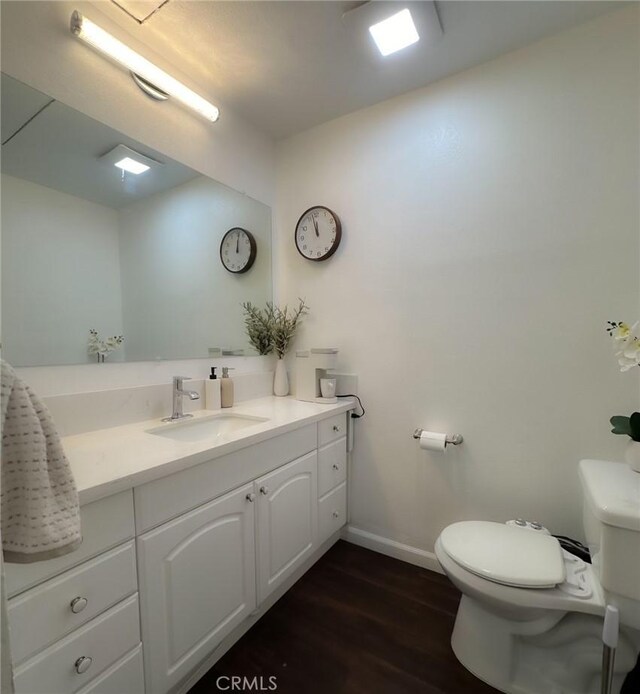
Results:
<point x="39" y="509"/>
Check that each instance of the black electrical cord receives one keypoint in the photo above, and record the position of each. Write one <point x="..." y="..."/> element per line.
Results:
<point x="353" y="414"/>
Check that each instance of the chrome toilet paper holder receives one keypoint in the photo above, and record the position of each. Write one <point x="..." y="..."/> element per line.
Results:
<point x="452" y="439"/>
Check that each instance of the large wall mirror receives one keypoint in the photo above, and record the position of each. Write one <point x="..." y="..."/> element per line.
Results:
<point x="88" y="244"/>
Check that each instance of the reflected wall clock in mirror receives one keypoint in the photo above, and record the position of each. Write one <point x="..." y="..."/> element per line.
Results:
<point x="238" y="250"/>
<point x="318" y="233"/>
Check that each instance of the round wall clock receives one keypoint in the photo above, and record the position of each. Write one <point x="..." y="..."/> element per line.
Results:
<point x="238" y="250"/>
<point x="318" y="233"/>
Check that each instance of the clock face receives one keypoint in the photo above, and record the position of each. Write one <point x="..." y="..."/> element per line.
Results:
<point x="238" y="250"/>
<point x="318" y="233"/>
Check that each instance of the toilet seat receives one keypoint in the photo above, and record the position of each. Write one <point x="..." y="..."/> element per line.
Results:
<point x="505" y="554"/>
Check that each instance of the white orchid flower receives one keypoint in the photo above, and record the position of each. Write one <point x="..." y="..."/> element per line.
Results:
<point x="627" y="337"/>
<point x="103" y="348"/>
<point x="628" y="352"/>
<point x="621" y="332"/>
<point x="627" y="363"/>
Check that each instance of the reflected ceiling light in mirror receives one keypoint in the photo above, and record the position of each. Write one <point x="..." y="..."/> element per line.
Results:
<point x="127" y="159"/>
<point x="395" y="32"/>
<point x="131" y="165"/>
<point x="107" y="44"/>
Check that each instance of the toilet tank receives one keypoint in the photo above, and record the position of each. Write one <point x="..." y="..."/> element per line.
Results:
<point x="611" y="516"/>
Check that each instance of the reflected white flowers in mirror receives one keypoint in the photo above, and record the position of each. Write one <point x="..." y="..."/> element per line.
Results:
<point x="627" y="343"/>
<point x="102" y="348"/>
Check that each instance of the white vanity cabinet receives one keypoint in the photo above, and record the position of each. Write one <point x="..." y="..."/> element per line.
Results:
<point x="148" y="598"/>
<point x="197" y="578"/>
<point x="287" y="521"/>
<point x="74" y="620"/>
<point x="332" y="476"/>
<point x="204" y="572"/>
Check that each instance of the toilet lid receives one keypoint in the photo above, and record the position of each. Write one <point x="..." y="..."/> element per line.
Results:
<point x="505" y="554"/>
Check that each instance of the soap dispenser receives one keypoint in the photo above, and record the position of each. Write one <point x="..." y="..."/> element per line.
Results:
<point x="212" y="391"/>
<point x="226" y="387"/>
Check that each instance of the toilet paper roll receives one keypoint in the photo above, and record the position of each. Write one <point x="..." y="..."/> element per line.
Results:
<point x="433" y="441"/>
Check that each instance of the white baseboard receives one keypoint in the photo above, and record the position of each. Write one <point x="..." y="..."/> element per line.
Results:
<point x="391" y="548"/>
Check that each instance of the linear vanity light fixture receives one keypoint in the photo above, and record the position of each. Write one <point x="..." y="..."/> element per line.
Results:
<point x="140" y="67"/>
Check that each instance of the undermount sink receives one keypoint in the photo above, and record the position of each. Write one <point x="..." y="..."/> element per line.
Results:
<point x="202" y="428"/>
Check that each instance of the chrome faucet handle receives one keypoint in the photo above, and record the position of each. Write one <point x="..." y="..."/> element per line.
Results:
<point x="178" y="380"/>
<point x="177" y="395"/>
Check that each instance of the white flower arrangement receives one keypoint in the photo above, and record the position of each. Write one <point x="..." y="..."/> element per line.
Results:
<point x="627" y="343"/>
<point x="103" y="348"/>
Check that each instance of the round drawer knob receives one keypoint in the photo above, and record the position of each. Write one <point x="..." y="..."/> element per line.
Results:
<point x="78" y="604"/>
<point x="83" y="664"/>
<point x="264" y="490"/>
<point x="336" y="514"/>
<point x="336" y="467"/>
<point x="251" y="497"/>
<point x="336" y="428"/>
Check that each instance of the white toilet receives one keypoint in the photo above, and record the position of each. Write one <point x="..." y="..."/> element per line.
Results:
<point x="531" y="615"/>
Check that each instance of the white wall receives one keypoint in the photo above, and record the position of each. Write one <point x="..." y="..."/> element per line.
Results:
<point x="490" y="229"/>
<point x="60" y="274"/>
<point x="171" y="270"/>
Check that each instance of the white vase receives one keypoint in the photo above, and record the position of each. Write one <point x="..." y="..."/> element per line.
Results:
<point x="281" y="380"/>
<point x="632" y="454"/>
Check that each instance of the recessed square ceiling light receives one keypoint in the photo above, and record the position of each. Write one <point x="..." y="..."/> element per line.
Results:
<point x="129" y="160"/>
<point x="132" y="166"/>
<point x="395" y="32"/>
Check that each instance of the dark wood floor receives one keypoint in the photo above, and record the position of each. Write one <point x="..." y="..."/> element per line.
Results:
<point x="356" y="623"/>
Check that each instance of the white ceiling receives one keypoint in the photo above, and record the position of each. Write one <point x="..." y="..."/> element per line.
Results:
<point x="287" y="66"/>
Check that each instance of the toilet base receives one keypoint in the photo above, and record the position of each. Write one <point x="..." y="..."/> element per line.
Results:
<point x="558" y="653"/>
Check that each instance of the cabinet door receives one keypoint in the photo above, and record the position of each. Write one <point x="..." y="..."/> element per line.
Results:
<point x="287" y="521"/>
<point x="197" y="582"/>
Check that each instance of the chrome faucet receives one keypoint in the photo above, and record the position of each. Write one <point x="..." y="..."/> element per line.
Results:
<point x="178" y="392"/>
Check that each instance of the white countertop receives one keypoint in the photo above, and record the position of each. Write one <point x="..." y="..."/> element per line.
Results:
<point x="108" y="461"/>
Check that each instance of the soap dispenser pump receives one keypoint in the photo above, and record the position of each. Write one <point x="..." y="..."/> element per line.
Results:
<point x="212" y="391"/>
<point x="226" y="387"/>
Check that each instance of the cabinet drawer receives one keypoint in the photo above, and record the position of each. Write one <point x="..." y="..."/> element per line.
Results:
<point x="332" y="512"/>
<point x="104" y="640"/>
<point x="171" y="496"/>
<point x="332" y="466"/>
<point x="332" y="428"/>
<point x="44" y="614"/>
<point x="104" y="523"/>
<point x="125" y="676"/>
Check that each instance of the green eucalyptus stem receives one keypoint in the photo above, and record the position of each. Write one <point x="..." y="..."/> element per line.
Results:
<point x="258" y="327"/>
<point x="284" y="325"/>
<point x="272" y="329"/>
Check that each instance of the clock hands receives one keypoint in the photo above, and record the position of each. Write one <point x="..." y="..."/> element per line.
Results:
<point x="238" y="242"/>
<point x="315" y="225"/>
